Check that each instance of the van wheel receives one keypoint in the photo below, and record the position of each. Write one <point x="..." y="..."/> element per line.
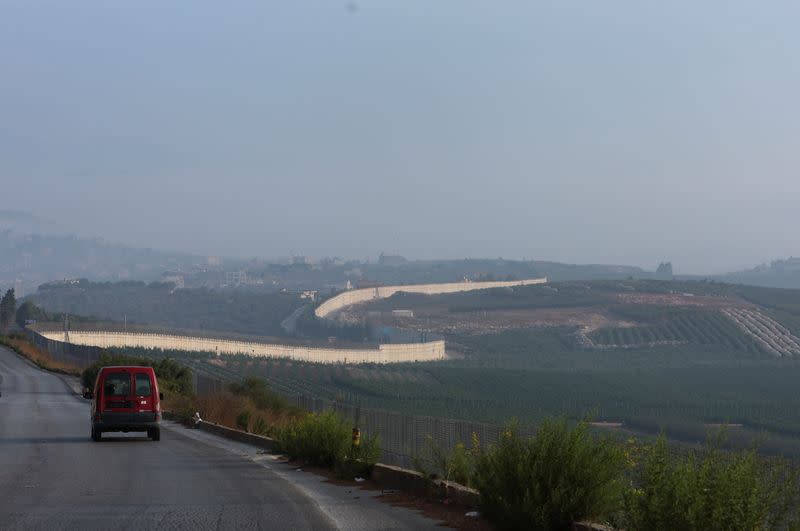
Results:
<point x="154" y="434"/>
<point x="96" y="435"/>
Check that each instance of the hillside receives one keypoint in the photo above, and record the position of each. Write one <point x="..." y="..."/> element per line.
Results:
<point x="776" y="274"/>
<point x="607" y="314"/>
<point x="33" y="259"/>
<point x="234" y="311"/>
<point x="650" y="354"/>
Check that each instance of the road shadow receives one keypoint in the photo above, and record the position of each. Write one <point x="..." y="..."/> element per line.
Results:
<point x="43" y="440"/>
<point x="70" y="440"/>
<point x="121" y="439"/>
<point x="57" y="393"/>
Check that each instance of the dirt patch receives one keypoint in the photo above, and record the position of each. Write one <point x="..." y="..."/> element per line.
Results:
<point x="438" y="318"/>
<point x="679" y="299"/>
<point x="451" y="515"/>
<point x="447" y="513"/>
<point x="606" y="424"/>
<point x="496" y="321"/>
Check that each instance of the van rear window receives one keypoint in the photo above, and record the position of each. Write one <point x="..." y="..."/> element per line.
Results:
<point x="117" y="384"/>
<point x="143" y="385"/>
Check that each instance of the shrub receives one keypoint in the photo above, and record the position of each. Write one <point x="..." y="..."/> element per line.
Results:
<point x="360" y="460"/>
<point x="457" y="464"/>
<point x="257" y="390"/>
<point x="183" y="407"/>
<point x="243" y="420"/>
<point x="223" y="407"/>
<point x="318" y="439"/>
<point x="560" y="476"/>
<point x="260" y="426"/>
<point x="712" y="490"/>
<point x="325" y="439"/>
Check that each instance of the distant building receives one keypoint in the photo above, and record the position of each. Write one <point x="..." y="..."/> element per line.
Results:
<point x="175" y="279"/>
<point x="19" y="288"/>
<point x="790" y="264"/>
<point x="235" y="278"/>
<point x="309" y="294"/>
<point x="331" y="261"/>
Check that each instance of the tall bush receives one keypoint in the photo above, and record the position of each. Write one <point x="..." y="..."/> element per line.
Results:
<point x="560" y="476"/>
<point x="325" y="439"/>
<point x="243" y="421"/>
<point x="318" y="439"/>
<point x="712" y="490"/>
<point x="259" y="392"/>
<point x="457" y="464"/>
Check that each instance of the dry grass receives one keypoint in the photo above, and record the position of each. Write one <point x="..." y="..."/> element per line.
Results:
<point x="223" y="408"/>
<point x="40" y="357"/>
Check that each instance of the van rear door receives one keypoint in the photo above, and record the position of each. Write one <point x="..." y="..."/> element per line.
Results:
<point x="118" y="399"/>
<point x="144" y="397"/>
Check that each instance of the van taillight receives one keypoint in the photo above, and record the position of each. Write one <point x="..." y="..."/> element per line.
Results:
<point x="97" y="417"/>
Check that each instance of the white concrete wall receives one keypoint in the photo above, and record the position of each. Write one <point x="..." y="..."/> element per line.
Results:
<point x="357" y="296"/>
<point x="389" y="353"/>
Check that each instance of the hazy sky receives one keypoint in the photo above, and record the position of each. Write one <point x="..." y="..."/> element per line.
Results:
<point x="588" y="131"/>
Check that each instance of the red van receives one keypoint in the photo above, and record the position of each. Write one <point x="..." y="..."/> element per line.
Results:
<point x="126" y="399"/>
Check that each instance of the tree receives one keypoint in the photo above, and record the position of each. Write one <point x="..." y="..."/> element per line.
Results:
<point x="8" y="307"/>
<point x="28" y="311"/>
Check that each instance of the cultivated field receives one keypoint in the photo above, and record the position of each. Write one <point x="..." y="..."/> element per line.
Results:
<point x="679" y="356"/>
<point x="770" y="334"/>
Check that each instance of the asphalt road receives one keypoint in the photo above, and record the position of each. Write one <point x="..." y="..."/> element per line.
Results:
<point x="53" y="477"/>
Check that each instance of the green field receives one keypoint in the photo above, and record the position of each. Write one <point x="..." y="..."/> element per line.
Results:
<point x="678" y="369"/>
<point x="689" y="327"/>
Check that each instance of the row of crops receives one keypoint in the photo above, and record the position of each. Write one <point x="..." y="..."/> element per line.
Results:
<point x="760" y="395"/>
<point x="773" y="337"/>
<point x="699" y="327"/>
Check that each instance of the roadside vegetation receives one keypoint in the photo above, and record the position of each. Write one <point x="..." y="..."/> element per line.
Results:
<point x="249" y="405"/>
<point x="565" y="474"/>
<point x="8" y="308"/>
<point x="712" y="490"/>
<point x="19" y="344"/>
<point x="530" y="375"/>
<point x="320" y="439"/>
<point x="325" y="439"/>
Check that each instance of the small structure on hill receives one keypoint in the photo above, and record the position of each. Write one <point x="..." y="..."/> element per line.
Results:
<point x="664" y="271"/>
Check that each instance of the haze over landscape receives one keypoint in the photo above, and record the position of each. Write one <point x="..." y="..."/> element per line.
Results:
<point x="614" y="132"/>
<point x="370" y="264"/>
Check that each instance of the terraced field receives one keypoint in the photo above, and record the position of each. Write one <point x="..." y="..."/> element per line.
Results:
<point x="770" y="334"/>
<point x="690" y="327"/>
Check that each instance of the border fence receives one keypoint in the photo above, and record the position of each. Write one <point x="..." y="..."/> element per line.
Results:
<point x="403" y="436"/>
<point x="79" y="355"/>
